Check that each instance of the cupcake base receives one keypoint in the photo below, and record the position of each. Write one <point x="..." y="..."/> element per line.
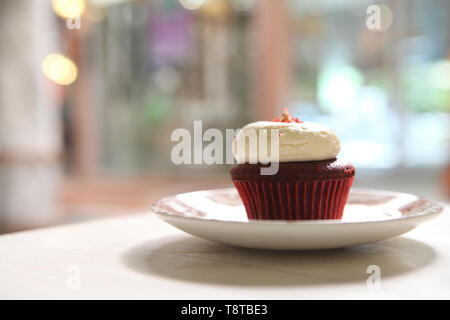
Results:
<point x="299" y="191"/>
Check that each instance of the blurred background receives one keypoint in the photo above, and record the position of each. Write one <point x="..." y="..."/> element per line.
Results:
<point x="91" y="90"/>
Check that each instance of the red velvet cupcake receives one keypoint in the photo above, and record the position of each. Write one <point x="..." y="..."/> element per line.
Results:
<point x="309" y="183"/>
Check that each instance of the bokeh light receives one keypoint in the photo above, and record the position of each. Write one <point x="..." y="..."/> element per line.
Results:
<point x="59" y="69"/>
<point x="439" y="75"/>
<point x="338" y="87"/>
<point x="192" y="4"/>
<point x="68" y="8"/>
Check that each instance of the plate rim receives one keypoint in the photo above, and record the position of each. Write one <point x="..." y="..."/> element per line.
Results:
<point x="436" y="209"/>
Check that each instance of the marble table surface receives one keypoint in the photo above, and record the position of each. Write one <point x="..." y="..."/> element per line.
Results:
<point x="141" y="257"/>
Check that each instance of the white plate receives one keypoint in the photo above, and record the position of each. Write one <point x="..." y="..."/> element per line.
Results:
<point x="370" y="215"/>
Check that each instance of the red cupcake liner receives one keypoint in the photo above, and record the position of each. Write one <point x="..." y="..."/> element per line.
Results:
<point x="294" y="200"/>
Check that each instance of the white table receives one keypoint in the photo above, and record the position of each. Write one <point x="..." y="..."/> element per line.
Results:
<point x="141" y="257"/>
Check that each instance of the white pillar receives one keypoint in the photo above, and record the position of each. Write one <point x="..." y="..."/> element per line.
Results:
<point x="30" y="124"/>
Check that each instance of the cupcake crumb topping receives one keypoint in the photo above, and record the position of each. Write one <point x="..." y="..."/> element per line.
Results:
<point x="286" y="117"/>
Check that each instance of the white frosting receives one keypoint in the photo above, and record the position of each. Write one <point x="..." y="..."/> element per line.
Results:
<point x="305" y="141"/>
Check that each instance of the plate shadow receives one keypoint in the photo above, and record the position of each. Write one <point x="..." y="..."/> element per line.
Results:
<point x="195" y="260"/>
